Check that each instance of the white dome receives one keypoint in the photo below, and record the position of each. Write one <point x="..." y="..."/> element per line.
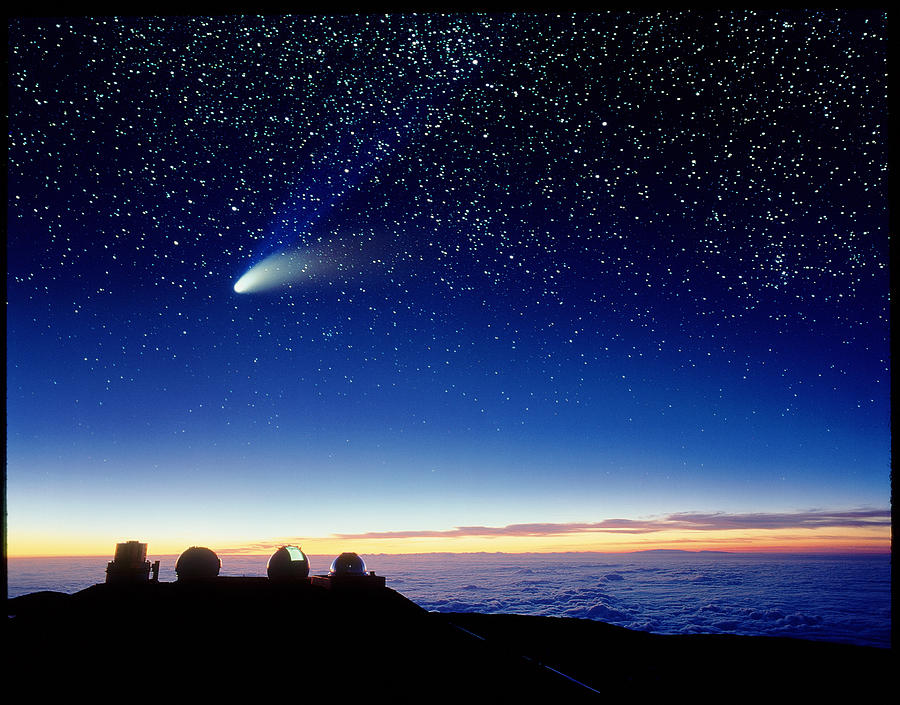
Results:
<point x="348" y="564"/>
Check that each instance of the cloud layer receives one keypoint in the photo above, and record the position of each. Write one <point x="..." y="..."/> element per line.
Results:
<point x="836" y="598"/>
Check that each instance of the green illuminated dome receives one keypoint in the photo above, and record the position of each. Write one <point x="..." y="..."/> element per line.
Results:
<point x="288" y="563"/>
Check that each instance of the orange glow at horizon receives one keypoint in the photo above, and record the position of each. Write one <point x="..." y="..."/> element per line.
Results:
<point x="801" y="540"/>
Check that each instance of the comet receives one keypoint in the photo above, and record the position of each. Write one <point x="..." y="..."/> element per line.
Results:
<point x="341" y="259"/>
<point x="282" y="269"/>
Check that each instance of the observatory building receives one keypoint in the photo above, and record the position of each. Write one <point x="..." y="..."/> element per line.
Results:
<point x="348" y="564"/>
<point x="130" y="564"/>
<point x="348" y="570"/>
<point x="288" y="564"/>
<point x="197" y="563"/>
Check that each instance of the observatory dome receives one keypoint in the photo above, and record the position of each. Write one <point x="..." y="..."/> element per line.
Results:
<point x="287" y="563"/>
<point x="197" y="563"/>
<point x="348" y="564"/>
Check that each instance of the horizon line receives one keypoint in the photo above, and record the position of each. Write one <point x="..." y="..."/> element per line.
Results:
<point x="776" y="552"/>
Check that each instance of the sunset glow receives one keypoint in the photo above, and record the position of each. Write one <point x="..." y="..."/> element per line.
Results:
<point x="826" y="540"/>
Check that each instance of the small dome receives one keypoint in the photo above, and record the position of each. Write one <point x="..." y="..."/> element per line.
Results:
<point x="197" y="563"/>
<point x="348" y="564"/>
<point x="287" y="563"/>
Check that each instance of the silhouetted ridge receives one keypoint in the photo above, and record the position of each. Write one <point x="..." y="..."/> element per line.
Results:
<point x="242" y="629"/>
<point x="352" y="637"/>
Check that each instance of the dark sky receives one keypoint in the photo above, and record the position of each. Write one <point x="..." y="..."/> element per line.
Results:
<point x="527" y="268"/>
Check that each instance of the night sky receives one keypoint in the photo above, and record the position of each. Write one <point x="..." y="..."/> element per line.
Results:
<point x="503" y="269"/>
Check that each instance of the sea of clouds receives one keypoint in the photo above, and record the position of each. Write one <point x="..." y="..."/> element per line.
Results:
<point x="837" y="598"/>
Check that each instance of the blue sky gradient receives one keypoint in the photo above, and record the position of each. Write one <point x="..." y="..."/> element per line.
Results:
<point x="568" y="268"/>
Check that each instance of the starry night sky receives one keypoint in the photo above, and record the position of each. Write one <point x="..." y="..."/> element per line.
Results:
<point x="549" y="268"/>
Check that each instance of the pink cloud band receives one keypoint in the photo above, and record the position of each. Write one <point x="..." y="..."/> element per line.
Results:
<point x="870" y="518"/>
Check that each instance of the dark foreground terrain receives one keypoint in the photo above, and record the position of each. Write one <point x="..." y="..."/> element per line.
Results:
<point x="248" y="638"/>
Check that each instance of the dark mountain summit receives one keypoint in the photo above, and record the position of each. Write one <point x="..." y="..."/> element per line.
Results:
<point x="226" y="638"/>
<point x="345" y="636"/>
